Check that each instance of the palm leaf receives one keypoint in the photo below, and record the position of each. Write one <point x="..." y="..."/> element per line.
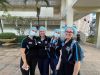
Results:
<point x="4" y="1"/>
<point x="3" y="4"/>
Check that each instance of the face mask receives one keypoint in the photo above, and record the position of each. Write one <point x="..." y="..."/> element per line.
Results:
<point x="32" y="33"/>
<point x="56" y="35"/>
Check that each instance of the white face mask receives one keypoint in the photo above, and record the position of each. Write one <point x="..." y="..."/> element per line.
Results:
<point x="32" y="33"/>
<point x="56" y="35"/>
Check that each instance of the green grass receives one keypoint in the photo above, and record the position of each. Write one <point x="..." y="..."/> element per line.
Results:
<point x="91" y="39"/>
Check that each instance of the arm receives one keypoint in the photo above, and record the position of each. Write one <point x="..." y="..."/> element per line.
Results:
<point x="76" y="68"/>
<point x="25" y="64"/>
<point x="59" y="62"/>
<point x="22" y="50"/>
<point x="77" y="59"/>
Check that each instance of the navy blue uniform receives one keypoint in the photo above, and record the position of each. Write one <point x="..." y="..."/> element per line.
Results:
<point x="31" y="52"/>
<point x="44" y="56"/>
<point x="55" y="47"/>
<point x="69" y="57"/>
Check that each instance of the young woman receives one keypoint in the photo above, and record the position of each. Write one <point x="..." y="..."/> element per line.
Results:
<point x="43" y="46"/>
<point x="70" y="55"/>
<point x="29" y="53"/>
<point x="55" y="47"/>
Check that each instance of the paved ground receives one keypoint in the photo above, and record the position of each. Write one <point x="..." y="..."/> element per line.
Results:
<point x="9" y="61"/>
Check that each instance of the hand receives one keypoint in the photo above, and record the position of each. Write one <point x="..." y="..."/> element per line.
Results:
<point x="25" y="66"/>
<point x="74" y="74"/>
<point x="56" y="44"/>
<point x="57" y="67"/>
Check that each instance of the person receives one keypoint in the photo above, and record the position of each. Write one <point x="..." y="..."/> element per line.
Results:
<point x="55" y="46"/>
<point x="29" y="53"/>
<point x="70" y="55"/>
<point x="43" y="45"/>
<point x="78" y="37"/>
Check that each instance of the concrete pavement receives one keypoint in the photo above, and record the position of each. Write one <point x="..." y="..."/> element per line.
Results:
<point x="9" y="61"/>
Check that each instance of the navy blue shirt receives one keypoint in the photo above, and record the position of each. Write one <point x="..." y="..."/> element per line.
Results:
<point x="55" y="47"/>
<point x="71" y="54"/>
<point x="30" y="46"/>
<point x="43" y="46"/>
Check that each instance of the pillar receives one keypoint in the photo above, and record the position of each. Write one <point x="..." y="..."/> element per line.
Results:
<point x="63" y="12"/>
<point x="69" y="12"/>
<point x="2" y="25"/>
<point x="46" y="24"/>
<point x="31" y="24"/>
<point x="98" y="29"/>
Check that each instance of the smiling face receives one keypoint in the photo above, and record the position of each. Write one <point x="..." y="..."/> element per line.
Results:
<point x="69" y="33"/>
<point x="42" y="33"/>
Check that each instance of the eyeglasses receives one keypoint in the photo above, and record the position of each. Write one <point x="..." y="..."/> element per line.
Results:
<point x="33" y="30"/>
<point x="69" y="31"/>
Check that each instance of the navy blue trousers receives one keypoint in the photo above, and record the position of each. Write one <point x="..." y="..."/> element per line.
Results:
<point x="53" y="63"/>
<point x="43" y="65"/>
<point x="32" y="64"/>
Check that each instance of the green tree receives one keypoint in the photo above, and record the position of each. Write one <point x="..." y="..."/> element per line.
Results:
<point x="3" y="6"/>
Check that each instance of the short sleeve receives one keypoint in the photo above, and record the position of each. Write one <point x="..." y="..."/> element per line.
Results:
<point x="77" y="52"/>
<point x="60" y="44"/>
<point x="49" y="39"/>
<point x="23" y="44"/>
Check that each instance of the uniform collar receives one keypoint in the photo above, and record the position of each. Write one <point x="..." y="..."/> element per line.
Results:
<point x="44" y="38"/>
<point x="32" y="38"/>
<point x="69" y="40"/>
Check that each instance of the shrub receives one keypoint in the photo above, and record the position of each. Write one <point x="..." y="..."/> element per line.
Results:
<point x="20" y="38"/>
<point x="7" y="36"/>
<point x="91" y="39"/>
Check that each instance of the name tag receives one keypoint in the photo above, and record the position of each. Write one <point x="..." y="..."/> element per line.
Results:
<point x="29" y="42"/>
<point x="46" y="42"/>
<point x="39" y="42"/>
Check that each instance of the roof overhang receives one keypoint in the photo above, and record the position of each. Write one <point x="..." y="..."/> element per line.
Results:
<point x="84" y="7"/>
